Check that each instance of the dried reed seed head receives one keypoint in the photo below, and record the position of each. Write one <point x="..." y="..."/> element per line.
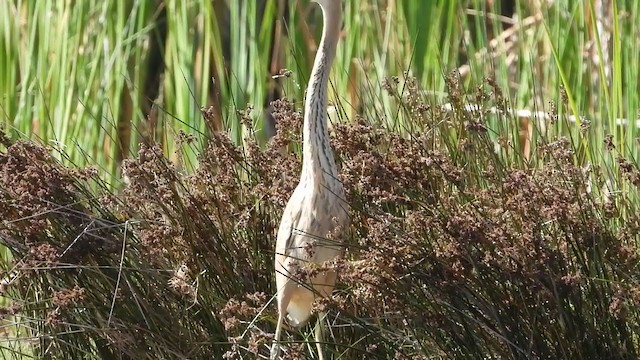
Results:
<point x="67" y="297"/>
<point x="182" y="282"/>
<point x="608" y="142"/>
<point x="44" y="252"/>
<point x="238" y="312"/>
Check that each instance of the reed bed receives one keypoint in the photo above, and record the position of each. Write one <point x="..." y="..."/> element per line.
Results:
<point x="139" y="198"/>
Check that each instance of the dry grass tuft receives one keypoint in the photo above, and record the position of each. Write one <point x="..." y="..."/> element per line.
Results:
<point x="455" y="250"/>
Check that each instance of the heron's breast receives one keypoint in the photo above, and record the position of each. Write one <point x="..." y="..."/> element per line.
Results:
<point x="313" y="234"/>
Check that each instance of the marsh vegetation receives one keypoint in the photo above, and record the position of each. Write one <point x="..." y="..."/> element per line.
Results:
<point x="488" y="155"/>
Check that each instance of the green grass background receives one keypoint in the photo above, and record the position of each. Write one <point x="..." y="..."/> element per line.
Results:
<point x="80" y="75"/>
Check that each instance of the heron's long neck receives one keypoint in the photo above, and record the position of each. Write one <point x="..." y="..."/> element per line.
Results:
<point x="318" y="162"/>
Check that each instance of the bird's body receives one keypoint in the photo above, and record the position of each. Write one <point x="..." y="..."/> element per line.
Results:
<point x="317" y="206"/>
<point x="309" y="219"/>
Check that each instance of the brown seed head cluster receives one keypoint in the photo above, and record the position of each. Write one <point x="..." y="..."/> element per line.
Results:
<point x="454" y="249"/>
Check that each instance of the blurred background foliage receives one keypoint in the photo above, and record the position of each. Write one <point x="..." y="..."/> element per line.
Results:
<point x="96" y="78"/>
